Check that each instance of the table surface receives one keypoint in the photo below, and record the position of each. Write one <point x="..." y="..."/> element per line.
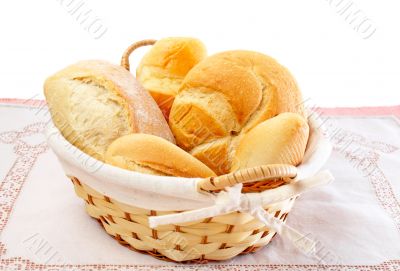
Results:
<point x="355" y="220"/>
<point x="343" y="53"/>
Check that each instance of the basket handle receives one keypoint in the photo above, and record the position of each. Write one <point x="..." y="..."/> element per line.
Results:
<point x="131" y="48"/>
<point x="248" y="175"/>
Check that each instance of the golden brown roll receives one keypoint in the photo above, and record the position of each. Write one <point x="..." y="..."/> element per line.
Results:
<point x="225" y="96"/>
<point x="279" y="140"/>
<point x="94" y="102"/>
<point x="154" y="155"/>
<point x="163" y="68"/>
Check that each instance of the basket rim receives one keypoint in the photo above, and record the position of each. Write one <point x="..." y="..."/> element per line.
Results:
<point x="74" y="160"/>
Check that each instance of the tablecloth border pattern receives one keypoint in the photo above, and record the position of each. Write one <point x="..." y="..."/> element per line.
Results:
<point x="28" y="157"/>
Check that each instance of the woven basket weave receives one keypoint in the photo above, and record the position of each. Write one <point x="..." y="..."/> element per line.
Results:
<point x="215" y="238"/>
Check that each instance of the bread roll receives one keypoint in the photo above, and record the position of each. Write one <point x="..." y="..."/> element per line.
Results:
<point x="163" y="68"/>
<point x="279" y="140"/>
<point x="225" y="96"/>
<point x="94" y="102"/>
<point x="154" y="155"/>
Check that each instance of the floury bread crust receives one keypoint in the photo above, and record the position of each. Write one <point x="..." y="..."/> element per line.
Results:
<point x="94" y="102"/>
<point x="162" y="69"/>
<point x="154" y="155"/>
<point x="225" y="96"/>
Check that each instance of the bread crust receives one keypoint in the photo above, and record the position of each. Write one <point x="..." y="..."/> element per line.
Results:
<point x="246" y="88"/>
<point x="136" y="104"/>
<point x="151" y="154"/>
<point x="163" y="68"/>
<point x="279" y="140"/>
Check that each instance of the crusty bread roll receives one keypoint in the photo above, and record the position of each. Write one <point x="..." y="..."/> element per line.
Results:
<point x="94" y="102"/>
<point x="226" y="95"/>
<point x="279" y="140"/>
<point x="163" y="68"/>
<point x="154" y="155"/>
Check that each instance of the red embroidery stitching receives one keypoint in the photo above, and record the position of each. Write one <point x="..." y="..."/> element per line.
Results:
<point x="364" y="155"/>
<point x="27" y="156"/>
<point x="18" y="263"/>
<point x="13" y="182"/>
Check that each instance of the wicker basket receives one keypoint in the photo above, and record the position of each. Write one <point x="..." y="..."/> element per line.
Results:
<point x="219" y="237"/>
<point x="214" y="238"/>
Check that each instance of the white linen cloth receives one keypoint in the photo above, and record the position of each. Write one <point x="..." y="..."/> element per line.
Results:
<point x="171" y="193"/>
<point x="159" y="192"/>
<point x="355" y="219"/>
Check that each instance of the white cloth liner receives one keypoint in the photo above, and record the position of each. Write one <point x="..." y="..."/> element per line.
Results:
<point x="175" y="193"/>
<point x="233" y="200"/>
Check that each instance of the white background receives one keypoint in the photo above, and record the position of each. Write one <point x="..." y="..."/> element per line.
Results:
<point x="331" y="59"/>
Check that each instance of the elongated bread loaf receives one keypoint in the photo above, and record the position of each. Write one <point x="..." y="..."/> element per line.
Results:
<point x="225" y="96"/>
<point x="154" y="155"/>
<point x="94" y="102"/>
<point x="162" y="69"/>
<point x="279" y="140"/>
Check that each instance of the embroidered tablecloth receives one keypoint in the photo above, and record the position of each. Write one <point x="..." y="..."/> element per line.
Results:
<point x="355" y="220"/>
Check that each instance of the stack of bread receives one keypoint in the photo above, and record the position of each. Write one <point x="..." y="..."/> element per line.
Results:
<point x="222" y="113"/>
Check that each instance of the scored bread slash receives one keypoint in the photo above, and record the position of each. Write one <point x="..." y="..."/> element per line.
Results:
<point x="245" y="149"/>
<point x="94" y="102"/>
<point x="163" y="68"/>
<point x="225" y="96"/>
